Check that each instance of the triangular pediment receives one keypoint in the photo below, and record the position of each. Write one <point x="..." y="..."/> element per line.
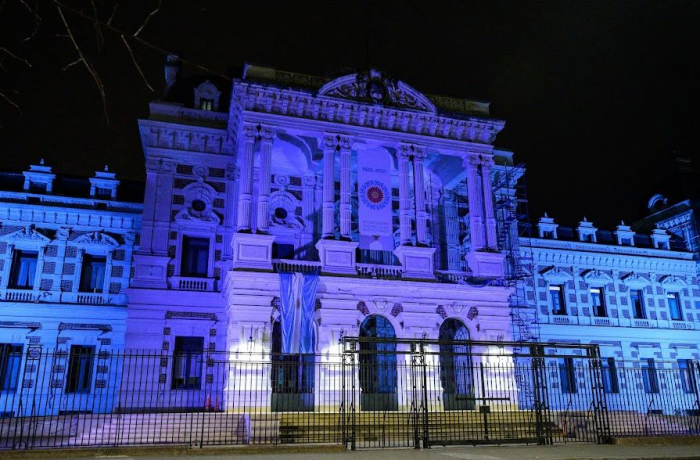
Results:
<point x="374" y="87"/>
<point x="28" y="233"/>
<point x="96" y="238"/>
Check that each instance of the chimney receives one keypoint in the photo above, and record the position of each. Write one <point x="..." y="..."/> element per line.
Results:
<point x="172" y="70"/>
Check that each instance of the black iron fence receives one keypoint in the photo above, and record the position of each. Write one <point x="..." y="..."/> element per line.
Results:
<point x="401" y="394"/>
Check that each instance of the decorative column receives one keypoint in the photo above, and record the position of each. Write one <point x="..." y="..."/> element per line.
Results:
<point x="419" y="194"/>
<point x="483" y="259"/>
<point x="6" y="269"/>
<point x="161" y="226"/>
<point x="336" y="256"/>
<point x="245" y="195"/>
<point x="476" y="225"/>
<point x="108" y="274"/>
<point x="491" y="240"/>
<point x="254" y="250"/>
<point x="451" y="230"/>
<point x="78" y="270"/>
<point x="404" y="155"/>
<point x="417" y="262"/>
<point x="330" y="145"/>
<point x="345" y="205"/>
<point x="39" y="268"/>
<point x="267" y="136"/>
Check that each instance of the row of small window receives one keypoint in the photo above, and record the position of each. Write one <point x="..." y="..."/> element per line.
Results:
<point x="599" y="306"/>
<point x="186" y="372"/>
<point x="24" y="264"/>
<point x="610" y="378"/>
<point x="81" y="361"/>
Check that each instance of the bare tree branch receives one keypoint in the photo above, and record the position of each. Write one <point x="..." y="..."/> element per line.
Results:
<point x="114" y="12"/>
<point x="37" y="18"/>
<point x="148" y="18"/>
<point x="14" y="56"/>
<point x="68" y="66"/>
<point x="81" y="14"/>
<point x="10" y="101"/>
<point x="136" y="64"/>
<point x="88" y="66"/>
<point x="99" y="38"/>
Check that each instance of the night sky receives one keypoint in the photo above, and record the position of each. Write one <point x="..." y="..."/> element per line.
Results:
<point x="598" y="97"/>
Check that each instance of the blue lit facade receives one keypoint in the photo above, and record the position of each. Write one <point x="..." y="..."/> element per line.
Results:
<point x="66" y="250"/>
<point x="269" y="175"/>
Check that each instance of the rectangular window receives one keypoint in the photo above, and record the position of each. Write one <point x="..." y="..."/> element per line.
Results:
<point x="92" y="276"/>
<point x="556" y="292"/>
<point x="23" y="270"/>
<point x="598" y="302"/>
<point x="649" y="377"/>
<point x="674" y="306"/>
<point x="610" y="382"/>
<point x="637" y="300"/>
<point x="687" y="375"/>
<point x="10" y="360"/>
<point x="195" y="257"/>
<point x="80" y="364"/>
<point x="103" y="193"/>
<point x="567" y="375"/>
<point x="187" y="363"/>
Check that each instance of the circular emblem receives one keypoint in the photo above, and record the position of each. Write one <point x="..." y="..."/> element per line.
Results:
<point x="375" y="195"/>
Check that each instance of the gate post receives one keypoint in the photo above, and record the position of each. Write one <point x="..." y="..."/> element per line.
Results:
<point x="424" y="375"/>
<point x="600" y="408"/>
<point x="541" y="403"/>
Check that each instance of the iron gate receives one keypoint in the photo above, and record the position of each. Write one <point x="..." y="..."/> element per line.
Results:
<point x="418" y="393"/>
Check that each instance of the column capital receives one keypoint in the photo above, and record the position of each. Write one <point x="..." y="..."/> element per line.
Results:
<point x="471" y="159"/>
<point x="486" y="161"/>
<point x="336" y="141"/>
<point x="414" y="151"/>
<point x="257" y="132"/>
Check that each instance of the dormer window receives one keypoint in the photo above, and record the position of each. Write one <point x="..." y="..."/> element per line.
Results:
<point x="206" y="97"/>
<point x="626" y="241"/>
<point x="548" y="234"/>
<point x="103" y="193"/>
<point x="206" y="104"/>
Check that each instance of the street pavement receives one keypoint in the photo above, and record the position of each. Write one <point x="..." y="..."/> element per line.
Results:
<point x="510" y="452"/>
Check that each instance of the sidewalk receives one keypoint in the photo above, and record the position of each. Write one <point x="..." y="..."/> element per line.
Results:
<point x="509" y="452"/>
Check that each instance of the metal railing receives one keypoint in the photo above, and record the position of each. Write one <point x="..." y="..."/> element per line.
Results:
<point x="368" y="393"/>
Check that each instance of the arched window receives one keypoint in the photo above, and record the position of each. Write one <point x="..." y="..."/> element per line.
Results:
<point x="456" y="373"/>
<point x="378" y="378"/>
<point x="292" y="377"/>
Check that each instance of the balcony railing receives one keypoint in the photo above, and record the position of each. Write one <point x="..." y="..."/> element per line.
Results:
<point x="81" y="298"/>
<point x="379" y="271"/>
<point x="290" y="265"/>
<point x="188" y="283"/>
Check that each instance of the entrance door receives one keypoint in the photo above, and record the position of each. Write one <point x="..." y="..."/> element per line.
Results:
<point x="292" y="377"/>
<point x="456" y="373"/>
<point x="378" y="377"/>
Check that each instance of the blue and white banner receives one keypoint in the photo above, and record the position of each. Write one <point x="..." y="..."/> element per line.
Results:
<point x="374" y="197"/>
<point x="298" y="301"/>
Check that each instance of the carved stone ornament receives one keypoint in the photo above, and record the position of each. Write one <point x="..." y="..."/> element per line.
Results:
<point x="362" y="308"/>
<point x="673" y="280"/>
<point x="440" y="310"/>
<point x="28" y="233"/>
<point x="96" y="238"/>
<point x="377" y="88"/>
<point x="595" y="275"/>
<point x="555" y="272"/>
<point x="381" y="306"/>
<point x="191" y="315"/>
<point x="473" y="313"/>
<point x="457" y="308"/>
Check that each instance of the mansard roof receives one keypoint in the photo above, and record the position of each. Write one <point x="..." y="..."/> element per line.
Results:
<point x="371" y="86"/>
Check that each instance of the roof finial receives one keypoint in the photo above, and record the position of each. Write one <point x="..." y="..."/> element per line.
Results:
<point x="584" y="219"/>
<point x="545" y="214"/>
<point x="41" y="162"/>
<point x="106" y="168"/>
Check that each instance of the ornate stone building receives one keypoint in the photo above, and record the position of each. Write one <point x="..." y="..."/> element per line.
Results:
<point x="66" y="250"/>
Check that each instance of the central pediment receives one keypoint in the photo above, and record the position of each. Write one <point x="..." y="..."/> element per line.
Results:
<point x="374" y="87"/>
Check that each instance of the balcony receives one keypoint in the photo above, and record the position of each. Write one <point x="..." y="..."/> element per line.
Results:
<point x="290" y="265"/>
<point x="375" y="271"/>
<point x="188" y="283"/>
<point x="684" y="325"/>
<point x="93" y="298"/>
<point x="80" y="298"/>
<point x="643" y="322"/>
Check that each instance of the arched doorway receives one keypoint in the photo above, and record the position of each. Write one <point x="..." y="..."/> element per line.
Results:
<point x="456" y="373"/>
<point x="292" y="377"/>
<point x="378" y="379"/>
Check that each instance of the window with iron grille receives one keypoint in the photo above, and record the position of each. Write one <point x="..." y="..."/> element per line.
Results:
<point x="10" y="361"/>
<point x="80" y="364"/>
<point x="649" y="376"/>
<point x="187" y="363"/>
<point x="567" y="375"/>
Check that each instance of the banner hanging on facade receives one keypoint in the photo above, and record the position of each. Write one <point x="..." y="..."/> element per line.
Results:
<point x="374" y="197"/>
<point x="298" y="302"/>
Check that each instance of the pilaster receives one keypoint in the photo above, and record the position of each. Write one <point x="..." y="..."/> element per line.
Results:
<point x="330" y="145"/>
<point x="476" y="223"/>
<point x="345" y="205"/>
<point x="245" y="195"/>
<point x="263" y="218"/>
<point x="404" y="155"/>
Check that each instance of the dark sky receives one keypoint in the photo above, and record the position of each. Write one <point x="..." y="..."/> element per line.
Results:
<point x="598" y="97"/>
